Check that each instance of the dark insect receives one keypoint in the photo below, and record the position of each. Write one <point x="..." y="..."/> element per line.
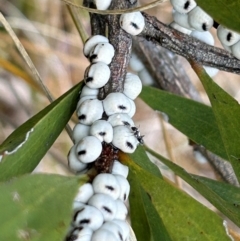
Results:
<point x="137" y="134"/>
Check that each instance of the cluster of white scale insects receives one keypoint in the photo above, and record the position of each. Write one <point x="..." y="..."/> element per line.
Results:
<point x="99" y="209"/>
<point x="191" y="19"/>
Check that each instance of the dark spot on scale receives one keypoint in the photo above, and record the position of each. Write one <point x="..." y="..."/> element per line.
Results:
<point x="92" y="57"/>
<point x="72" y="237"/>
<point x="122" y="107"/>
<point x="129" y="145"/>
<point x="84" y="221"/>
<point x="134" y="25"/>
<point x="126" y="123"/>
<point x="82" y="117"/>
<point x="83" y="152"/>
<point x="204" y="26"/>
<point x="75" y="215"/>
<point x="120" y="236"/>
<point x="186" y="5"/>
<point x="110" y="188"/>
<point x="102" y="133"/>
<point x="107" y="209"/>
<point x="229" y="36"/>
<point x="124" y="196"/>
<point x="89" y="79"/>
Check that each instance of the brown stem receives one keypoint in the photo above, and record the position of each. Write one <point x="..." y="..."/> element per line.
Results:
<point x="122" y="43"/>
<point x="166" y="69"/>
<point x="188" y="47"/>
<point x="97" y="22"/>
<point x="223" y="167"/>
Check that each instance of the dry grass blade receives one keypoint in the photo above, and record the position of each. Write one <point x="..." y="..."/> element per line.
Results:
<point x="75" y="16"/>
<point x="119" y="11"/>
<point x="25" y="56"/>
<point x="30" y="64"/>
<point x="18" y="72"/>
<point x="177" y="180"/>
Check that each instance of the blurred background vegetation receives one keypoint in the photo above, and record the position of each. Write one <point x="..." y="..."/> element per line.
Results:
<point x="48" y="34"/>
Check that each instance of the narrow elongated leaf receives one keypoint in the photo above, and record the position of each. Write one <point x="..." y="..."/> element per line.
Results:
<point x="227" y="114"/>
<point x="37" y="207"/>
<point x="25" y="147"/>
<point x="140" y="157"/>
<point x="157" y="227"/>
<point x="151" y="226"/>
<point x="138" y="215"/>
<point x="193" y="119"/>
<point x="223" y="11"/>
<point x="223" y="196"/>
<point x="227" y="192"/>
<point x="183" y="217"/>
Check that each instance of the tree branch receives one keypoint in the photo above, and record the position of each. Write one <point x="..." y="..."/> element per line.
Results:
<point x="188" y="47"/>
<point x="121" y="41"/>
<point x="223" y="167"/>
<point x="166" y="68"/>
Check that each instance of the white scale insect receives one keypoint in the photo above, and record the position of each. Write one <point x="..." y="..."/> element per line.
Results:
<point x="132" y="236"/>
<point x="111" y="208"/>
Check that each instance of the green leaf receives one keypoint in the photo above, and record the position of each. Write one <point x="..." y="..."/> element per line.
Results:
<point x="145" y="220"/>
<point x="223" y="196"/>
<point x="193" y="119"/>
<point x="183" y="217"/>
<point x="25" y="147"/>
<point x="139" y="221"/>
<point x="37" y="207"/>
<point x="227" y="114"/>
<point x="223" y="11"/>
<point x="227" y="192"/>
<point x="140" y="157"/>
